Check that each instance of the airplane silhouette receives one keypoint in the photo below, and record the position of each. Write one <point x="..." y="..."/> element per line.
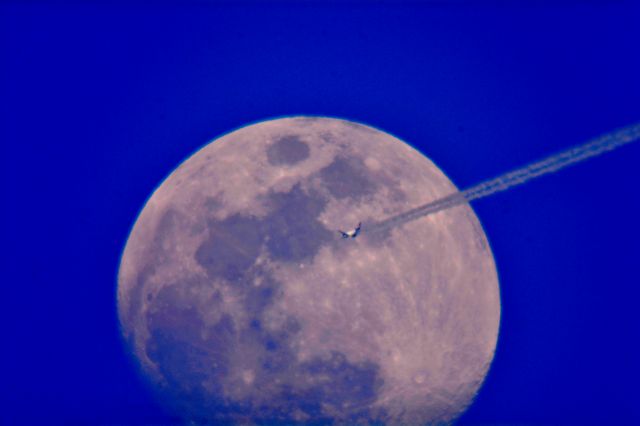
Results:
<point x="351" y="234"/>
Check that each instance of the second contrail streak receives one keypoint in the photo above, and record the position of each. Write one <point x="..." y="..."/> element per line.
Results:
<point x="519" y="176"/>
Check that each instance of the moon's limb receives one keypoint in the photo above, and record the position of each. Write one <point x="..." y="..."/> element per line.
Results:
<point x="238" y="300"/>
<point x="553" y="163"/>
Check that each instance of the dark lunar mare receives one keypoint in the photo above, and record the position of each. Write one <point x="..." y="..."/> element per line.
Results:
<point x="348" y="178"/>
<point x="288" y="150"/>
<point x="197" y="361"/>
<point x="294" y="232"/>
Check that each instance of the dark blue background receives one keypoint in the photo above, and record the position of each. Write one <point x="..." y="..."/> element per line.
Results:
<point x="100" y="102"/>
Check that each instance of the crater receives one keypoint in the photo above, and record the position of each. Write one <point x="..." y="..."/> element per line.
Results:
<point x="213" y="204"/>
<point x="287" y="151"/>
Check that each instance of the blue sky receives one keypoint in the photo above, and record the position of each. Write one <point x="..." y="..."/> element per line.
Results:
<point x="100" y="102"/>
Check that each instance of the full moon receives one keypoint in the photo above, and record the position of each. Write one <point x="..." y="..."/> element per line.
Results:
<point x="242" y="304"/>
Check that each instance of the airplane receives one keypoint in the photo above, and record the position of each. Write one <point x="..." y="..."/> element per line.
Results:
<point x="351" y="234"/>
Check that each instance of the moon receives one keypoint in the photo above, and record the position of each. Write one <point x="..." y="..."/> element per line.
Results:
<point x="241" y="304"/>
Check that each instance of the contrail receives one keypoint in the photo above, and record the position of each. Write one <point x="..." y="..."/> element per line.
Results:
<point x="553" y="163"/>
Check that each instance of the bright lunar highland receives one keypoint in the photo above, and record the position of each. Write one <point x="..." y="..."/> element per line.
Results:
<point x="243" y="305"/>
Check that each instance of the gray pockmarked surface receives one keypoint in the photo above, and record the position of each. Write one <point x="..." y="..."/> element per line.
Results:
<point x="242" y="304"/>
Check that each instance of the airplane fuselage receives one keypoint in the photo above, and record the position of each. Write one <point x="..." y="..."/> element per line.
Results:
<point x="351" y="234"/>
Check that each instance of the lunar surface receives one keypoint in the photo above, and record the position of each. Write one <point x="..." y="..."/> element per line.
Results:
<point x="242" y="305"/>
